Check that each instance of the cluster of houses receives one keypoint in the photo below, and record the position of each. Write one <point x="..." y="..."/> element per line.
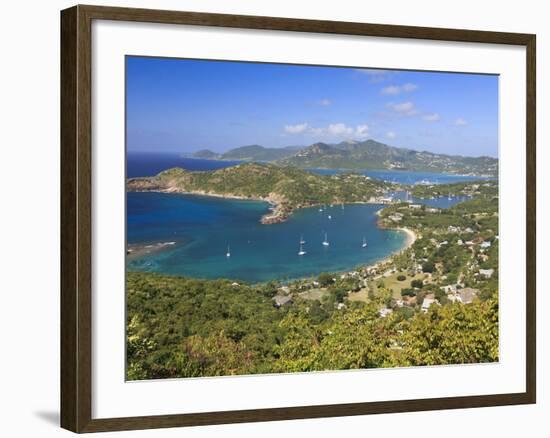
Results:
<point x="458" y="293"/>
<point x="471" y="273"/>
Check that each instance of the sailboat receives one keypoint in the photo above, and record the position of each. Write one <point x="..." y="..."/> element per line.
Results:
<point x="301" y="252"/>
<point x="228" y="253"/>
<point x="449" y="198"/>
<point x="325" y="242"/>
<point x="302" y="241"/>
<point x="329" y="216"/>
<point x="364" y="245"/>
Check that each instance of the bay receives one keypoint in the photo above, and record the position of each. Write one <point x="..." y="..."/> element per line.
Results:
<point x="202" y="228"/>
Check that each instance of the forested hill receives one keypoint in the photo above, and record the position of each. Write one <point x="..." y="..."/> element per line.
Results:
<point x="371" y="154"/>
<point x="368" y="154"/>
<point x="287" y="187"/>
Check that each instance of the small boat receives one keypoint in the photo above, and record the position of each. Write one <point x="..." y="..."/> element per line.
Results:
<point x="302" y="241"/>
<point x="325" y="242"/>
<point x="320" y="209"/>
<point x="228" y="253"/>
<point x="364" y="244"/>
<point x="342" y="206"/>
<point x="329" y="216"/>
<point x="301" y="252"/>
<point x="449" y="198"/>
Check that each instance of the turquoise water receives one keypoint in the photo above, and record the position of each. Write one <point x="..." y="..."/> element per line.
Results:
<point x="203" y="227"/>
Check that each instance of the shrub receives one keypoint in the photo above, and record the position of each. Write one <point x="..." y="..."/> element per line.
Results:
<point x="401" y="277"/>
<point x="428" y="267"/>
<point x="417" y="284"/>
<point x="408" y="292"/>
<point x="325" y="279"/>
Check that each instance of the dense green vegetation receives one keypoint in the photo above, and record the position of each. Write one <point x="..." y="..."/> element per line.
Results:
<point x="178" y="327"/>
<point x="434" y="303"/>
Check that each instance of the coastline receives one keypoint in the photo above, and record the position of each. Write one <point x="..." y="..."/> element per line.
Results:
<point x="136" y="251"/>
<point x="279" y="210"/>
<point x="410" y="239"/>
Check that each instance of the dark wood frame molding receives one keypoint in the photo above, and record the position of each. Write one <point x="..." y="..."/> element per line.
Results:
<point x="76" y="177"/>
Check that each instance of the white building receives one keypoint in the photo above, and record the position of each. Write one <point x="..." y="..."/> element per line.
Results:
<point x="487" y="273"/>
<point x="427" y="303"/>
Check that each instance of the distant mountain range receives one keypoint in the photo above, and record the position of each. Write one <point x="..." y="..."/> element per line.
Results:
<point x="368" y="154"/>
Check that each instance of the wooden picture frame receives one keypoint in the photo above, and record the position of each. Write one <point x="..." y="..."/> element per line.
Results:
<point x="76" y="218"/>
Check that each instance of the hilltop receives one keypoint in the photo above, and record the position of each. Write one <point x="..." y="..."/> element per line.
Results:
<point x="368" y="154"/>
<point x="287" y="188"/>
<point x="206" y="153"/>
<point x="371" y="154"/>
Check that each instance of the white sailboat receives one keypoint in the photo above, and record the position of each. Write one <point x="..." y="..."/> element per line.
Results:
<point x="325" y="242"/>
<point x="302" y="241"/>
<point x="449" y="198"/>
<point x="228" y="253"/>
<point x="364" y="244"/>
<point x="329" y="216"/>
<point x="301" y="252"/>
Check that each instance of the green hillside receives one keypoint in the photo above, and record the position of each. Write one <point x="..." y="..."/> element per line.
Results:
<point x="371" y="154"/>
<point x="287" y="187"/>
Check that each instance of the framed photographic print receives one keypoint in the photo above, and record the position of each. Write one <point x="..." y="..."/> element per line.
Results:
<point x="269" y="218"/>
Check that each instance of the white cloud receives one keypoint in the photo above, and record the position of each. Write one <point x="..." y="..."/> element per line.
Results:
<point x="325" y="102"/>
<point x="331" y="131"/>
<point x="398" y="89"/>
<point x="362" y="131"/>
<point x="391" y="134"/>
<point x="460" y="122"/>
<point x="376" y="75"/>
<point x="409" y="87"/>
<point x="434" y="117"/>
<point x="391" y="89"/>
<point x="403" y="108"/>
<point x="339" y="129"/>
<point x="296" y="129"/>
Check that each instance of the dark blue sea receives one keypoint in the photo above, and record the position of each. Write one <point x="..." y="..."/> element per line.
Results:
<point x="149" y="163"/>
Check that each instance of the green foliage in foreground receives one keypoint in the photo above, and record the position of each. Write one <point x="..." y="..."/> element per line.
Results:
<point x="179" y="327"/>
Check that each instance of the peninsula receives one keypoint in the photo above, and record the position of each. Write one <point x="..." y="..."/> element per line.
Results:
<point x="286" y="188"/>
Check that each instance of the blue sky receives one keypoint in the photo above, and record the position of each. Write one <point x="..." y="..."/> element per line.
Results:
<point x="178" y="105"/>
